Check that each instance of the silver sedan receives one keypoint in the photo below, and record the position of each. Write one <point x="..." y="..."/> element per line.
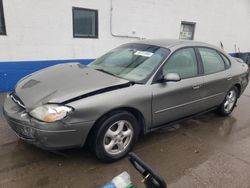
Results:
<point x="130" y="91"/>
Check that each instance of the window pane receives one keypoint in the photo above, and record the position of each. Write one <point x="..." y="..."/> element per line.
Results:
<point x="85" y="23"/>
<point x="2" y="29"/>
<point x="1" y="24"/>
<point x="212" y="61"/>
<point x="226" y="60"/>
<point x="187" y="31"/>
<point x="135" y="62"/>
<point x="1" y="15"/>
<point x="182" y="62"/>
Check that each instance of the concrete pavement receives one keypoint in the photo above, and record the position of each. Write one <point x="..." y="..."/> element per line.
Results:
<point x="207" y="151"/>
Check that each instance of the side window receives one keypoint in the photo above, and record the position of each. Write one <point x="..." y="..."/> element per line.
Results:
<point x="212" y="61"/>
<point x="182" y="62"/>
<point x="2" y="23"/>
<point x="226" y="60"/>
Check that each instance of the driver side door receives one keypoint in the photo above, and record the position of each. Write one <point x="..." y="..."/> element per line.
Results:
<point x="174" y="100"/>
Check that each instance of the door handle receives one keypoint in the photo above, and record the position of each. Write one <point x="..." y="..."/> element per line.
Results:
<point x="229" y="77"/>
<point x="197" y="86"/>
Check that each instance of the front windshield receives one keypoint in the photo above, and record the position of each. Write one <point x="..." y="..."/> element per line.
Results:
<point x="134" y="62"/>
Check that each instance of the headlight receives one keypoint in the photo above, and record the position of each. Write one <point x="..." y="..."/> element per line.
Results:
<point x="50" y="112"/>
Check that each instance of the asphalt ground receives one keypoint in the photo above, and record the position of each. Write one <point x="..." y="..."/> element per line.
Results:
<point x="206" y="151"/>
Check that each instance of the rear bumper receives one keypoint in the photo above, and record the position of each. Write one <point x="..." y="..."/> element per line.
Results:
<point x="49" y="136"/>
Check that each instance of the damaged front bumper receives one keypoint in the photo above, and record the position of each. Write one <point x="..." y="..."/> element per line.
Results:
<point x="50" y="136"/>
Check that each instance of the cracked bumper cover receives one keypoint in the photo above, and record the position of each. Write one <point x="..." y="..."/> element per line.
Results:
<point x="50" y="136"/>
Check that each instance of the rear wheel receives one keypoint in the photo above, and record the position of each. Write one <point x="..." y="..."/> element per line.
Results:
<point x="229" y="102"/>
<point x="115" y="136"/>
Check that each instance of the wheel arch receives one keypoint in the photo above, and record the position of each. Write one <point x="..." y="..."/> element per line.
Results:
<point x="238" y="86"/>
<point x="137" y="113"/>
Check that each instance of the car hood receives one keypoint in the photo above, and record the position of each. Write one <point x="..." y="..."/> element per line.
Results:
<point x="63" y="82"/>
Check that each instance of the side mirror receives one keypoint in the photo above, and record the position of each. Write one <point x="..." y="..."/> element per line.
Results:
<point x="173" y="77"/>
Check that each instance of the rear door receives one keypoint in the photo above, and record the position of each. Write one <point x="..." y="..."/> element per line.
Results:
<point x="174" y="100"/>
<point x="216" y="77"/>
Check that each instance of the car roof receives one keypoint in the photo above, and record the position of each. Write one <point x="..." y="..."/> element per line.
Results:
<point x="174" y="43"/>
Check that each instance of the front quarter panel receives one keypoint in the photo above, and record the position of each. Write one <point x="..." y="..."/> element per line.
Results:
<point x="92" y="108"/>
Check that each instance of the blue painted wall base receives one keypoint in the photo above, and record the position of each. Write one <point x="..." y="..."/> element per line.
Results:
<point x="11" y="72"/>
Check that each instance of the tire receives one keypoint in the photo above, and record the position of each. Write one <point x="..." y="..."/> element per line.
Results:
<point x="115" y="136"/>
<point x="229" y="102"/>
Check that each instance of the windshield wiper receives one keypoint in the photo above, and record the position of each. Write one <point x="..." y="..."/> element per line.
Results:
<point x="102" y="70"/>
<point x="132" y="82"/>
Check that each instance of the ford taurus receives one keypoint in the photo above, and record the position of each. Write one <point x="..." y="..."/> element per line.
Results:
<point x="132" y="90"/>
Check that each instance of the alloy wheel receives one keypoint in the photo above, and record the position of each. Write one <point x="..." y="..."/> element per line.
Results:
<point x="230" y="101"/>
<point x="118" y="137"/>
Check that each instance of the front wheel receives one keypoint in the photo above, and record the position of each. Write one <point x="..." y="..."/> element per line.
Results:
<point x="115" y="136"/>
<point x="229" y="102"/>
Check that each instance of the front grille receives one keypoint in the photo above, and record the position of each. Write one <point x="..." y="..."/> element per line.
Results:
<point x="17" y="100"/>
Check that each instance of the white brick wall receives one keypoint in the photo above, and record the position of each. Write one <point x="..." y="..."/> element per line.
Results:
<point x="42" y="29"/>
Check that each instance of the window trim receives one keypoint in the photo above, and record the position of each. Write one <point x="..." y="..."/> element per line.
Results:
<point x="202" y="64"/>
<point x="96" y="36"/>
<point x="199" y="68"/>
<point x="3" y="19"/>
<point x="223" y="55"/>
<point x="188" y="23"/>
